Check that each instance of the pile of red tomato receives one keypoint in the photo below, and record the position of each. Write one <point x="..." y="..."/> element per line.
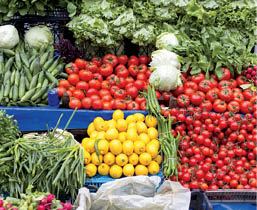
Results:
<point x="111" y="82"/>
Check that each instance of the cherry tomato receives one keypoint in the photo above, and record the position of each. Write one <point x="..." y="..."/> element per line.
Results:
<point x="106" y="85"/>
<point x="246" y="107"/>
<point x="223" y="84"/>
<point x="94" y="84"/>
<point x="226" y="74"/>
<point x="206" y="105"/>
<point x="133" y="106"/>
<point x="120" y="104"/>
<point x="198" y="78"/>
<point x="121" y="71"/>
<point x="196" y="99"/>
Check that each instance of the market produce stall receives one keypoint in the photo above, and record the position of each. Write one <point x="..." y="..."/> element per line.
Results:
<point x="160" y="91"/>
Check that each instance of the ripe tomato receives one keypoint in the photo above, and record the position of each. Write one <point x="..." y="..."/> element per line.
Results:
<point x="106" y="85"/>
<point x="219" y="106"/>
<point x="205" y="85"/>
<point x="183" y="100"/>
<point x="189" y="91"/>
<point x="106" y="98"/>
<point x="122" y="71"/>
<point x="246" y="107"/>
<point x="226" y="94"/>
<point x="73" y="79"/>
<point x="212" y="94"/>
<point x="179" y="90"/>
<point x="133" y="60"/>
<point x="121" y="82"/>
<point x="64" y="83"/>
<point x="97" y="61"/>
<point x="106" y="69"/>
<point x="141" y="76"/>
<point x="112" y="79"/>
<point x="198" y="78"/>
<point x="196" y="99"/>
<point x="233" y="106"/>
<point x="129" y="80"/>
<point x="120" y="104"/>
<point x="121" y="94"/>
<point x="214" y="83"/>
<point x="82" y="85"/>
<point x="86" y="103"/>
<point x="133" y="106"/>
<point x="79" y="94"/>
<point x="248" y="93"/>
<point x="91" y="66"/>
<point x="75" y="103"/>
<point x="139" y="84"/>
<point x="148" y="73"/>
<point x="132" y="91"/>
<point x="241" y="80"/>
<point x="107" y="105"/>
<point x="104" y="92"/>
<point x="238" y="97"/>
<point x="94" y="84"/>
<point x="123" y="59"/>
<point x="142" y="68"/>
<point x="223" y="84"/>
<point x="98" y="77"/>
<point x="206" y="105"/>
<point x="233" y="82"/>
<point x="80" y="63"/>
<point x="140" y="99"/>
<point x="60" y="91"/>
<point x="70" y="69"/>
<point x="191" y="84"/>
<point x="92" y="91"/>
<point x="85" y="75"/>
<point x="133" y="70"/>
<point x="110" y="59"/>
<point x="226" y="74"/>
<point x="143" y="59"/>
<point x="97" y="104"/>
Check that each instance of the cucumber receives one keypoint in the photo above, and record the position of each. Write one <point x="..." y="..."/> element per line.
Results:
<point x="39" y="93"/>
<point x="32" y="58"/>
<point x="47" y="65"/>
<point x="7" y="88"/>
<point x="28" y="95"/>
<point x="24" y="59"/>
<point x="33" y="82"/>
<point x="40" y="79"/>
<point x="7" y="76"/>
<point x="64" y="75"/>
<point x="51" y="78"/>
<point x="13" y="76"/>
<point x="43" y="58"/>
<point x="22" y="86"/>
<point x="17" y="78"/>
<point x="45" y="83"/>
<point x="18" y="60"/>
<point x="28" y="73"/>
<point x="53" y="66"/>
<point x="35" y="66"/>
<point x="26" y="83"/>
<point x="9" y="64"/>
<point x="15" y="93"/>
<point x="1" y="93"/>
<point x="10" y="93"/>
<point x="9" y="52"/>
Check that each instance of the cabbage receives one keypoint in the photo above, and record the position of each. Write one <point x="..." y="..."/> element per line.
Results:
<point x="165" y="78"/>
<point x="164" y="57"/>
<point x="9" y="36"/>
<point x="165" y="40"/>
<point x="39" y="35"/>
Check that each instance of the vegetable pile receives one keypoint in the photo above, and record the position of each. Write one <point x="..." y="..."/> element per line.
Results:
<point x="122" y="146"/>
<point x="29" y="70"/>
<point x="52" y="162"/>
<point x="111" y="82"/>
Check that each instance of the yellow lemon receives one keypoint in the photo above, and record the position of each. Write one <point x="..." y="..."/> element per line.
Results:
<point x="152" y="133"/>
<point x="109" y="158"/>
<point x="158" y="159"/>
<point x="99" y="123"/>
<point x="84" y="141"/>
<point x="115" y="171"/>
<point x="95" y="159"/>
<point x="139" y="147"/>
<point x="111" y="123"/>
<point x="141" y="127"/>
<point x="121" y="159"/>
<point x="122" y="136"/>
<point x="122" y="125"/>
<point x="139" y="117"/>
<point x="152" y="149"/>
<point x="132" y="125"/>
<point x="150" y="121"/>
<point x="132" y="134"/>
<point x="145" y="159"/>
<point x="131" y="119"/>
<point x="133" y="159"/>
<point x="103" y="169"/>
<point x="90" y="128"/>
<point x="101" y="135"/>
<point x="118" y="114"/>
<point x="141" y="170"/>
<point x="128" y="170"/>
<point x="128" y="147"/>
<point x="144" y="137"/>
<point x="153" y="168"/>
<point x="111" y="133"/>
<point x="103" y="146"/>
<point x="87" y="157"/>
<point x="91" y="170"/>
<point x="156" y="143"/>
<point x="115" y="147"/>
<point x="90" y="145"/>
<point x="94" y="135"/>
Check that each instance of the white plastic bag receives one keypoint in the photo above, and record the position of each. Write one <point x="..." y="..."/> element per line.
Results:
<point x="135" y="193"/>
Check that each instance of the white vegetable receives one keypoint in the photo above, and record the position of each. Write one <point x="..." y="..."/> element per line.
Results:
<point x="166" y="39"/>
<point x="38" y="36"/>
<point x="164" y="58"/>
<point x="9" y="36"/>
<point x="165" y="78"/>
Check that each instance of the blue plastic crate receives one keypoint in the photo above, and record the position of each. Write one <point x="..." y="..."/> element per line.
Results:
<point x="95" y="182"/>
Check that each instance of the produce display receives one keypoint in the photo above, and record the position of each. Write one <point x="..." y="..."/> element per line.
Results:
<point x="111" y="82"/>
<point x="51" y="162"/>
<point x="122" y="146"/>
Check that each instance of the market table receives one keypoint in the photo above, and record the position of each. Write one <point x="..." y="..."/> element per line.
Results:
<point x="37" y="118"/>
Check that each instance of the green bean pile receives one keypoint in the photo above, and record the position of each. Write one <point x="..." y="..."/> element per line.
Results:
<point x="27" y="74"/>
<point x="169" y="144"/>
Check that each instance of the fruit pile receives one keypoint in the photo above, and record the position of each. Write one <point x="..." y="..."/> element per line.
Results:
<point x="106" y="83"/>
<point x="122" y="146"/>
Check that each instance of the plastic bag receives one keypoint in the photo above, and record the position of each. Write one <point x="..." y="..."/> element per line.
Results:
<point x="135" y="193"/>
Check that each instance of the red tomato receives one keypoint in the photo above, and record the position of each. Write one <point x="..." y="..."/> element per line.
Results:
<point x="142" y="68"/>
<point x="60" y="91"/>
<point x="191" y="84"/>
<point x="129" y="85"/>
<point x="198" y="78"/>
<point x="95" y="97"/>
<point x="133" y="70"/>
<point x="107" y="98"/>
<point x="123" y="59"/>
<point x="139" y="84"/>
<point x="98" y="77"/>
<point x="121" y="94"/>
<point x="219" y="106"/>
<point x="140" y="99"/>
<point x="85" y="75"/>
<point x="120" y="104"/>
<point x="129" y="80"/>
<point x="133" y="106"/>
<point x="204" y="85"/>
<point x="91" y="66"/>
<point x="104" y="92"/>
<point x="214" y="83"/>
<point x="107" y="105"/>
<point x="133" y="60"/>
<point x="80" y="63"/>
<point x="72" y="69"/>
<point x="196" y="99"/>
<point x="75" y="103"/>
<point x="69" y="93"/>
<point x="94" y="84"/>
<point x="223" y="84"/>
<point x="226" y="94"/>
<point x="183" y="100"/>
<point x="246" y="107"/>
<point x="106" y="69"/>
<point x="132" y="91"/>
<point x="248" y="93"/>
<point x="166" y="96"/>
<point x="110" y="59"/>
<point x="141" y="76"/>
<point x="179" y="90"/>
<point x="233" y="82"/>
<point x="97" y="104"/>
<point x="86" y="103"/>
<point x="64" y="83"/>
<point x="121" y="82"/>
<point x="241" y="80"/>
<point x="122" y="72"/>
<point x="226" y="74"/>
<point x="106" y="85"/>
<point x="212" y="94"/>
<point x="206" y="105"/>
<point x="112" y="79"/>
<point x="114" y="89"/>
<point x="97" y="61"/>
<point x="233" y="106"/>
<point x="189" y="91"/>
<point x="73" y="79"/>
<point x="82" y="85"/>
<point x="79" y="94"/>
<point x="92" y="91"/>
<point x="238" y="97"/>
<point x="143" y="59"/>
<point x="148" y="73"/>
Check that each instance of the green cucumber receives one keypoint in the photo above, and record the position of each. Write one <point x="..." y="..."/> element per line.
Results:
<point x="15" y="94"/>
<point x="17" y="78"/>
<point x="22" y="85"/>
<point x="18" y="60"/>
<point x="24" y="59"/>
<point x="51" y="78"/>
<point x="33" y="82"/>
<point x="28" y="95"/>
<point x="39" y="93"/>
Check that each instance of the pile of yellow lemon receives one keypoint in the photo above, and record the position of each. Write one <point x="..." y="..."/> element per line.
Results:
<point x="124" y="146"/>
